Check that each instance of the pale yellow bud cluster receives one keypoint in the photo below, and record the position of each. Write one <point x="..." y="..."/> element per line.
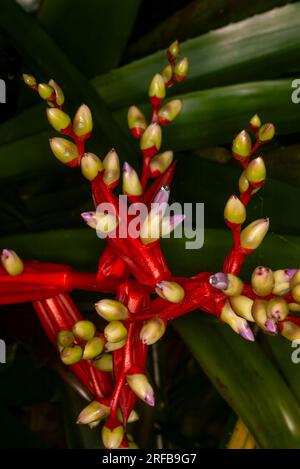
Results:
<point x="79" y="343"/>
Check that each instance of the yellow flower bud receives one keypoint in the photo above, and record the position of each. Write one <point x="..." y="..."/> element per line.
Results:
<point x="256" y="171"/>
<point x="131" y="182"/>
<point x="111" y="165"/>
<point x="136" y="121"/>
<point x="262" y="281"/>
<point x="83" y="121"/>
<point x="112" y="346"/>
<point x="133" y="417"/>
<point x="152" y="331"/>
<point x="281" y="282"/>
<point x="93" y="348"/>
<point x="157" y="89"/>
<point x="64" y="150"/>
<point x="169" y="111"/>
<point x="94" y="411"/>
<point x="294" y="307"/>
<point x="104" y="363"/>
<point x="243" y="183"/>
<point x="151" y="227"/>
<point x="115" y="331"/>
<point x="252" y="236"/>
<point x="90" y="165"/>
<point x="296" y="292"/>
<point x="237" y="324"/>
<point x="90" y="219"/>
<point x="255" y="123"/>
<point x="160" y="163"/>
<point x="29" y="80"/>
<point x="259" y="313"/>
<point x="296" y="278"/>
<point x="241" y="145"/>
<point x="150" y="142"/>
<point x="65" y="338"/>
<point x="71" y="355"/>
<point x="112" y="310"/>
<point x="173" y="50"/>
<point x="235" y="286"/>
<point x="112" y="438"/>
<point x="140" y="385"/>
<point x="181" y="69"/>
<point x="167" y="73"/>
<point x="59" y="95"/>
<point x="266" y="132"/>
<point x="242" y="306"/>
<point x="45" y="91"/>
<point x="235" y="211"/>
<point x="59" y="120"/>
<point x="103" y="223"/>
<point x="84" y="330"/>
<point x="277" y="309"/>
<point x="106" y="223"/>
<point x="170" y="291"/>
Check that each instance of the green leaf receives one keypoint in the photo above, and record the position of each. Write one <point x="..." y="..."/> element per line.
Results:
<point x="28" y="156"/>
<point x="247" y="380"/>
<point x="214" y="116"/>
<point x="99" y="31"/>
<point x="258" y="48"/>
<point x="197" y="17"/>
<point x="208" y="117"/>
<point x="283" y="163"/>
<point x="78" y="436"/>
<point x="217" y="242"/>
<point x="282" y="353"/>
<point x="224" y="56"/>
<point x="78" y="247"/>
<point x="25" y="124"/>
<point x="282" y="160"/>
<point x="193" y="182"/>
<point x="81" y="249"/>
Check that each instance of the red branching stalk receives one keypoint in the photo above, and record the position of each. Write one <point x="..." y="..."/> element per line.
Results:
<point x="133" y="267"/>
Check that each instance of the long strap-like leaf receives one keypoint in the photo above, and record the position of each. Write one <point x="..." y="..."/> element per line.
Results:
<point x="258" y="48"/>
<point x="35" y="45"/>
<point x="247" y="380"/>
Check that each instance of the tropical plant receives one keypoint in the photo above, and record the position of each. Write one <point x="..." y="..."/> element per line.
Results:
<point x="245" y="374"/>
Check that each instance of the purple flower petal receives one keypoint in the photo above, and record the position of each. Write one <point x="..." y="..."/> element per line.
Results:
<point x="247" y="333"/>
<point x="219" y="281"/>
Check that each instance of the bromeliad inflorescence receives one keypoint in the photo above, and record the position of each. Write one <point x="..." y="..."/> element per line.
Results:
<point x="111" y="364"/>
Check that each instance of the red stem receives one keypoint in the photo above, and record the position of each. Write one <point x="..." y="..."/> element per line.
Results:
<point x="127" y="364"/>
<point x="254" y="148"/>
<point x="94" y="378"/>
<point x="145" y="172"/>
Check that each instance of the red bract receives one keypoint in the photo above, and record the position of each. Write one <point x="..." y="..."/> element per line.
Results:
<point x="133" y="268"/>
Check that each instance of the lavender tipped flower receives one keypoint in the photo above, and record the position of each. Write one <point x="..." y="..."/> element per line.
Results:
<point x="219" y="281"/>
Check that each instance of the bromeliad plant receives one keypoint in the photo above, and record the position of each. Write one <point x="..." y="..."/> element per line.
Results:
<point x="111" y="364"/>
